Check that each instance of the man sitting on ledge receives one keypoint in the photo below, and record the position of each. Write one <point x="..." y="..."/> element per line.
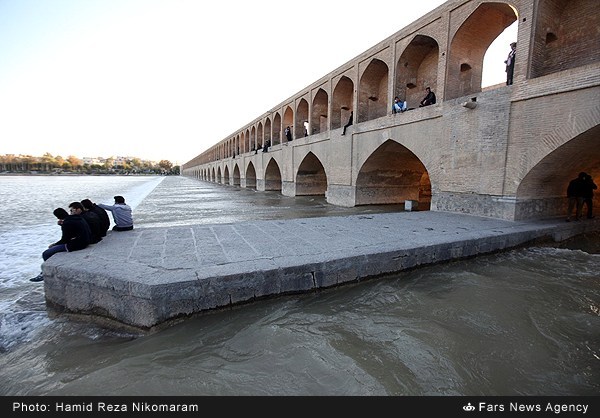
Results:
<point x="121" y="214"/>
<point x="399" y="106"/>
<point x="429" y="99"/>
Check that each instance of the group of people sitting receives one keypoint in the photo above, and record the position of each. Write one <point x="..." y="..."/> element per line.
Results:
<point x="86" y="224"/>
<point x="400" y="106"/>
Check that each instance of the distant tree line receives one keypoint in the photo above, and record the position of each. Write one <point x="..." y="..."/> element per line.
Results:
<point x="49" y="164"/>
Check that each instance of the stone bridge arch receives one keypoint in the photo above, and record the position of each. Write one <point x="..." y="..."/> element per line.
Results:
<point x="542" y="134"/>
<point x="311" y="179"/>
<point x="392" y="174"/>
<point x="542" y="192"/>
<point x="226" y="176"/>
<point x="236" y="175"/>
<point x="218" y="178"/>
<point x="469" y="45"/>
<point x="273" y="176"/>
<point x="250" y="176"/>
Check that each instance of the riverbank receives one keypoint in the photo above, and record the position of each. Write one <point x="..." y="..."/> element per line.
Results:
<point x="149" y="277"/>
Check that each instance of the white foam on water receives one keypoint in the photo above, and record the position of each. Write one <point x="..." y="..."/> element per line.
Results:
<point x="28" y="227"/>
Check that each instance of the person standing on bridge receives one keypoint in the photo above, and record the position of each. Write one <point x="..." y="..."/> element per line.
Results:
<point x="510" y="63"/>
<point x="288" y="133"/>
<point x="121" y="214"/>
<point x="350" y="121"/>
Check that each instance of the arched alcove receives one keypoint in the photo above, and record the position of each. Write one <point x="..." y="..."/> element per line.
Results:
<point x="469" y="45"/>
<point x="373" y="88"/>
<point x="341" y="103"/>
<point x="301" y="116"/>
<point x="417" y="69"/>
<point x="276" y="129"/>
<point x="319" y="119"/>
<point x="267" y="132"/>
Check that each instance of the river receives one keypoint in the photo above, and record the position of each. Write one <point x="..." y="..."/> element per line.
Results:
<point x="521" y="322"/>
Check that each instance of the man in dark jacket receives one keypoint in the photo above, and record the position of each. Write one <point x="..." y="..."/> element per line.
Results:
<point x="429" y="98"/>
<point x="102" y="214"/>
<point x="575" y="192"/>
<point x="91" y="218"/>
<point x="75" y="236"/>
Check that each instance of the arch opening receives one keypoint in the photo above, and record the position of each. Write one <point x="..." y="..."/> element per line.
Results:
<point x="391" y="175"/>
<point x="311" y="179"/>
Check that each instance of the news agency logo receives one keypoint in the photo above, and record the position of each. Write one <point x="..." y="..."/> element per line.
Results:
<point x="468" y="407"/>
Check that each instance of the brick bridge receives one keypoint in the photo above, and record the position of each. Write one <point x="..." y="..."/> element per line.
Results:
<point x="504" y="151"/>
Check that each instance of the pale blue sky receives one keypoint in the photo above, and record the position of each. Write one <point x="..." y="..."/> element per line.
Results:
<point x="166" y="79"/>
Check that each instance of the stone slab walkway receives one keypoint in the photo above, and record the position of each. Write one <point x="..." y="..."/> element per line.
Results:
<point x="149" y="277"/>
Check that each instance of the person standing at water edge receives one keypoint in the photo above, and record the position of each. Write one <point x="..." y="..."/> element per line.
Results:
<point x="121" y="214"/>
<point x="76" y="235"/>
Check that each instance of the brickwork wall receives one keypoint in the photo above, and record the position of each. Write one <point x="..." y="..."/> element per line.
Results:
<point x="510" y="156"/>
<point x="566" y="35"/>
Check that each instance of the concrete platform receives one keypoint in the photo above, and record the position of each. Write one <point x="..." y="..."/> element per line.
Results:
<point x="149" y="277"/>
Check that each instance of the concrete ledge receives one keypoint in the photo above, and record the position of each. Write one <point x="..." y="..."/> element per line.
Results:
<point x="146" y="278"/>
